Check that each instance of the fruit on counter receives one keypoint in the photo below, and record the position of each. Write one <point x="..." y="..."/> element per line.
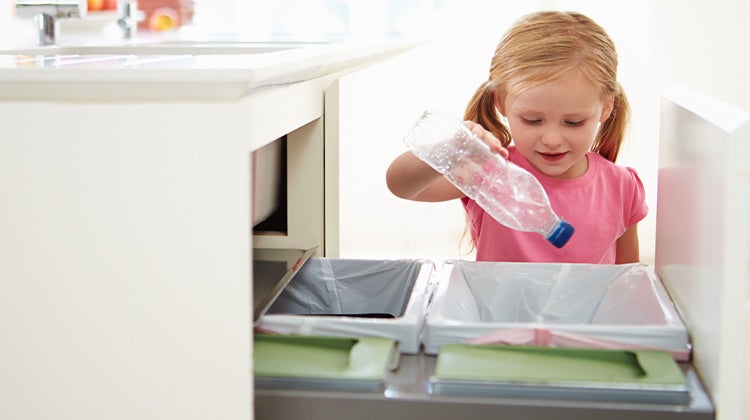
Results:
<point x="158" y="18"/>
<point x="163" y="19"/>
<point x="100" y="5"/>
<point x="94" y="5"/>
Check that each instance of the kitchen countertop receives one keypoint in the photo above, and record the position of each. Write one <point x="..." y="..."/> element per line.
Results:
<point x="406" y="396"/>
<point x="197" y="70"/>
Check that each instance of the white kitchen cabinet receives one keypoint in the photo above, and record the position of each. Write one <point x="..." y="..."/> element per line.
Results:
<point x="126" y="245"/>
<point x="703" y="236"/>
<point x="124" y="261"/>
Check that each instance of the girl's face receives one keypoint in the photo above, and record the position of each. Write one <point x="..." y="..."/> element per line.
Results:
<point x="553" y="125"/>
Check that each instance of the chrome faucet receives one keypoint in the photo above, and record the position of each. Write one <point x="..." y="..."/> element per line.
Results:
<point x="127" y="17"/>
<point x="47" y="13"/>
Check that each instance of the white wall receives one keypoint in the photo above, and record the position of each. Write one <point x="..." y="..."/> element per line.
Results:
<point x="704" y="47"/>
<point x="14" y="32"/>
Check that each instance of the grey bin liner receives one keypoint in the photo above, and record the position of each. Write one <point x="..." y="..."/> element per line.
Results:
<point x="621" y="303"/>
<point x="339" y="291"/>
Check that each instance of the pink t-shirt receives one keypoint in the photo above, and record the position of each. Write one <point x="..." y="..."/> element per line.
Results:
<point x="601" y="205"/>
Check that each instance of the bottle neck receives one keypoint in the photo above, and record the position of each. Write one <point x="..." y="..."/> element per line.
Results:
<point x="552" y="226"/>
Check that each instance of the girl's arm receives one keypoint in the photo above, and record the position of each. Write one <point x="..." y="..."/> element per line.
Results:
<point x="410" y="178"/>
<point x="627" y="247"/>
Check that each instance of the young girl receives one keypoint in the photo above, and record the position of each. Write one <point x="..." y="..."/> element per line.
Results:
<point x="552" y="105"/>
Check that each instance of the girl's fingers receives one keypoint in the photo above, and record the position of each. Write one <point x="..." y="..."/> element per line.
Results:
<point x="487" y="137"/>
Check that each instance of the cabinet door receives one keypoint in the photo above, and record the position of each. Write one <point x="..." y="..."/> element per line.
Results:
<point x="703" y="236"/>
<point x="124" y="262"/>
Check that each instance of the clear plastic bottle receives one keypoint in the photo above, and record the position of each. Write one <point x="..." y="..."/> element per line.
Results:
<point x="509" y="193"/>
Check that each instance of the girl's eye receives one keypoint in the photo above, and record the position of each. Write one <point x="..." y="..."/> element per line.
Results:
<point x="531" y="121"/>
<point x="574" y="123"/>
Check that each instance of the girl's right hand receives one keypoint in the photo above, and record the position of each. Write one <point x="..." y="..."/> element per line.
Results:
<point x="488" y="138"/>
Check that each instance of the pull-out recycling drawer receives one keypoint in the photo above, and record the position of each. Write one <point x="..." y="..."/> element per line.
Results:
<point x="560" y="305"/>
<point x="355" y="298"/>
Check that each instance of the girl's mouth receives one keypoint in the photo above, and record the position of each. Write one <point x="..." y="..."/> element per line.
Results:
<point x="553" y="157"/>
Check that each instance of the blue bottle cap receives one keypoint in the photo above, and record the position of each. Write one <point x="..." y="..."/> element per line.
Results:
<point x="561" y="234"/>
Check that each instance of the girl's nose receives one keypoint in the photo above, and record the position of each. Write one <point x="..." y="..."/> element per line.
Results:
<point x="551" y="138"/>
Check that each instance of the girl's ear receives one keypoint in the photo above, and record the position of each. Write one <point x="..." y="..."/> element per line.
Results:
<point x="609" y="106"/>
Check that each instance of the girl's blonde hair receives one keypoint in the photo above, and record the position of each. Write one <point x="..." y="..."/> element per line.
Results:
<point x="545" y="46"/>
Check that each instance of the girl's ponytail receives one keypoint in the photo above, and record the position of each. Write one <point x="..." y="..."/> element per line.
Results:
<point x="481" y="110"/>
<point x="611" y="133"/>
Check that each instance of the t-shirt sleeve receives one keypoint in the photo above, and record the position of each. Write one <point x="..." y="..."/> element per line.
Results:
<point x="638" y="206"/>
